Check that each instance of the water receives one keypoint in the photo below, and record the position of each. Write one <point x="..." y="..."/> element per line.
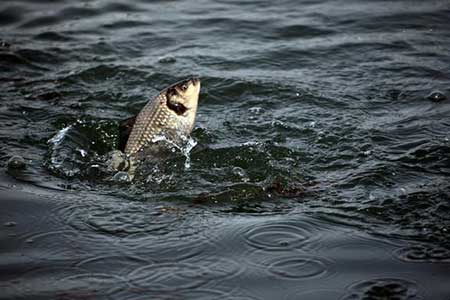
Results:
<point x="318" y="167"/>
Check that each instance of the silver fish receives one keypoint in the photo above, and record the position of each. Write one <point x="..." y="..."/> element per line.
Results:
<point x="170" y="114"/>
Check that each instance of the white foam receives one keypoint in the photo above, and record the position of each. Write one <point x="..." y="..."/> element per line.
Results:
<point x="56" y="140"/>
<point x="188" y="143"/>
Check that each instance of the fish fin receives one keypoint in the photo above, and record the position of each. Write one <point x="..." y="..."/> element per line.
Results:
<point x="125" y="128"/>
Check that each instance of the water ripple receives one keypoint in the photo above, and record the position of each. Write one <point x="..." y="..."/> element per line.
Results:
<point x="384" y="288"/>
<point x="297" y="267"/>
<point x="322" y="294"/>
<point x="64" y="282"/>
<point x="353" y="99"/>
<point x="168" y="248"/>
<point x="178" y="276"/>
<point x="199" y="293"/>
<point x="298" y="31"/>
<point x="10" y="15"/>
<point x="282" y="235"/>
<point x="55" y="245"/>
<point x="119" y="264"/>
<point x="168" y="277"/>
<point x="133" y="220"/>
<point x="424" y="253"/>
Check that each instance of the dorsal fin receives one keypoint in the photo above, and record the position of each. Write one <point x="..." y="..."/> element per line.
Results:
<point x="125" y="128"/>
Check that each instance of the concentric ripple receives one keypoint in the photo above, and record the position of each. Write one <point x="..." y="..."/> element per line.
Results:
<point x="55" y="245"/>
<point x="196" y="294"/>
<point x="132" y="220"/>
<point x="167" y="277"/>
<point x="219" y="268"/>
<point x="307" y="109"/>
<point x="315" y="295"/>
<point x="127" y="219"/>
<point x="120" y="264"/>
<point x="297" y="268"/>
<point x="168" y="248"/>
<point x="63" y="282"/>
<point x="177" y="276"/>
<point x="189" y="275"/>
<point x="384" y="288"/>
<point x="424" y="253"/>
<point x="142" y="230"/>
<point x="279" y="235"/>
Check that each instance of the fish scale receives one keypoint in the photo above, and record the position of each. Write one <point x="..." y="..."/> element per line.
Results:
<point x="149" y="123"/>
<point x="171" y="114"/>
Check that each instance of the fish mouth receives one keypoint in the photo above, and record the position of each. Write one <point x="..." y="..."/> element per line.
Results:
<point x="195" y="80"/>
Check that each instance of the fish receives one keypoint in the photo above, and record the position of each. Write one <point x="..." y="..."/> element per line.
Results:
<point x="171" y="114"/>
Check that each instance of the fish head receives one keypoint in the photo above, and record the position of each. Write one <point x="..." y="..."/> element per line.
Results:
<point x="182" y="99"/>
<point x="171" y="114"/>
<point x="183" y="95"/>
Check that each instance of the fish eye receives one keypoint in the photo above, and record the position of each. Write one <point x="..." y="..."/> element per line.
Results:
<point x="184" y="87"/>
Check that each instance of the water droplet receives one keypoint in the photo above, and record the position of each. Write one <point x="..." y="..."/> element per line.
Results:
<point x="82" y="152"/>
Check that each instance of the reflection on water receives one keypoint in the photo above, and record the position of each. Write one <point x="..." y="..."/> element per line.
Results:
<point x="318" y="167"/>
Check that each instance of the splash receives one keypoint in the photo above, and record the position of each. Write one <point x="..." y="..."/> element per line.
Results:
<point x="56" y="140"/>
<point x="185" y="145"/>
<point x="76" y="149"/>
<point x="58" y="157"/>
<point x="186" y="150"/>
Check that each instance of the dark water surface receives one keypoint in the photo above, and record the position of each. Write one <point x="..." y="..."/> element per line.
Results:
<point x="320" y="171"/>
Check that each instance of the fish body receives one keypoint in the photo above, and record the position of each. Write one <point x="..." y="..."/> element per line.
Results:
<point x="171" y="114"/>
